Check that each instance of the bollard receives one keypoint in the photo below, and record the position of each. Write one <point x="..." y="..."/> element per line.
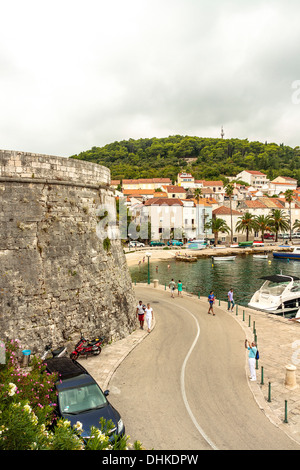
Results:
<point x="254" y="326"/>
<point x="290" y="377"/>
<point x="243" y="315"/>
<point x="249" y="321"/>
<point x="269" y="392"/>
<point x="26" y="357"/>
<point x="236" y="309"/>
<point x="262" y="376"/>
<point x="198" y="295"/>
<point x="219" y="302"/>
<point x="165" y="286"/>
<point x="155" y="282"/>
<point x="285" y="412"/>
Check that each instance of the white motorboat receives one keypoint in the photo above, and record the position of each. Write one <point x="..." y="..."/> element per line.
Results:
<point x="223" y="258"/>
<point x="260" y="256"/>
<point x="279" y="294"/>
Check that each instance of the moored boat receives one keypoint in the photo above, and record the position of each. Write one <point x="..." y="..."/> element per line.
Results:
<point x="294" y="255"/>
<point x="279" y="294"/>
<point x="223" y="258"/>
<point x="260" y="256"/>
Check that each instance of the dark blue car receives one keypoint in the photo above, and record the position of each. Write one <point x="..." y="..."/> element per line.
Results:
<point x="80" y="398"/>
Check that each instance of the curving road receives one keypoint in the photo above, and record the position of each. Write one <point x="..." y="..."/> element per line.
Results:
<point x="184" y="387"/>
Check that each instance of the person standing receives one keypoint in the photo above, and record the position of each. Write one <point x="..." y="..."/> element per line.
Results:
<point x="172" y="287"/>
<point x="251" y="358"/>
<point x="140" y="312"/>
<point x="149" y="316"/>
<point x="211" y="301"/>
<point x="230" y="300"/>
<point x="179" y="287"/>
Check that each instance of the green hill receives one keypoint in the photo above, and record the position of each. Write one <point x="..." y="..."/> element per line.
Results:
<point x="206" y="158"/>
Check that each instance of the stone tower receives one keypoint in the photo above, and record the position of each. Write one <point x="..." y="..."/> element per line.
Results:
<point x="57" y="278"/>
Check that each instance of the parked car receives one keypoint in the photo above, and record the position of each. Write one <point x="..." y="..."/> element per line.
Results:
<point x="283" y="235"/>
<point x="157" y="243"/>
<point x="175" y="243"/>
<point x="296" y="235"/>
<point x="80" y="398"/>
<point x="269" y="236"/>
<point x="135" y="243"/>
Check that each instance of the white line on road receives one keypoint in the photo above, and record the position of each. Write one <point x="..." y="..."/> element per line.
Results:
<point x="182" y="379"/>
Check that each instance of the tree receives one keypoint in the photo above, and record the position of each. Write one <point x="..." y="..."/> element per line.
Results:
<point x="217" y="225"/>
<point x="262" y="224"/>
<point x="246" y="223"/>
<point x="289" y="196"/>
<point x="278" y="222"/>
<point x="229" y="192"/>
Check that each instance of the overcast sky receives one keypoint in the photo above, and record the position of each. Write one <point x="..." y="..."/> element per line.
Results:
<point x="77" y="74"/>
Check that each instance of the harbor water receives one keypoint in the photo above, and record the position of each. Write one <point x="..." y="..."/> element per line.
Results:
<point x="199" y="278"/>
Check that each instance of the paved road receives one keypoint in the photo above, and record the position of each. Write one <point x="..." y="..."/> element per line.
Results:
<point x="185" y="386"/>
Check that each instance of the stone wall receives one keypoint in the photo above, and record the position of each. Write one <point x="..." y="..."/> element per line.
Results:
<point x="57" y="278"/>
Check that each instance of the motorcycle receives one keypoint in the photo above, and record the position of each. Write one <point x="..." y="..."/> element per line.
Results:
<point x="87" y="348"/>
<point x="59" y="352"/>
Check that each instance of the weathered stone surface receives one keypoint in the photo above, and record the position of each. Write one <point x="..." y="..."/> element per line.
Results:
<point x="57" y="278"/>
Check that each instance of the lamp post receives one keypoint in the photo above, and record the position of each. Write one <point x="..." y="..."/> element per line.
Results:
<point x="148" y="256"/>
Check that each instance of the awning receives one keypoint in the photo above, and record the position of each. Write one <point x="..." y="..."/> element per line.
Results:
<point x="280" y="278"/>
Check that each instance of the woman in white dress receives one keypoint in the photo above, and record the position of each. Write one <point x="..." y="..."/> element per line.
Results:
<point x="149" y="316"/>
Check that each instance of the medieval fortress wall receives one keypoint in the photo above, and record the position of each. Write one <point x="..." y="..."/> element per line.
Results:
<point x="57" y="277"/>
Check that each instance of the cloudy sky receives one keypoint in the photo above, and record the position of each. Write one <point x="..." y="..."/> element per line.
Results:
<point x="76" y="74"/>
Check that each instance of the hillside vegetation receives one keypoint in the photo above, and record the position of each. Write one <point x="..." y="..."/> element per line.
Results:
<point x="211" y="158"/>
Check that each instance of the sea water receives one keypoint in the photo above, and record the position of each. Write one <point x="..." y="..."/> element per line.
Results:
<point x="243" y="275"/>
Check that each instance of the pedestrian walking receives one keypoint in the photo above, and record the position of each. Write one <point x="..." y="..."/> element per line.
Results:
<point x="251" y="358"/>
<point x="230" y="300"/>
<point x="172" y="286"/>
<point x="179" y="287"/>
<point x="211" y="301"/>
<point x="140" y="313"/>
<point x="149" y="316"/>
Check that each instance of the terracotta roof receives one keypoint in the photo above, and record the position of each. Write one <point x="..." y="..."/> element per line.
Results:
<point x="160" y="201"/>
<point x="213" y="183"/>
<point x="256" y="204"/>
<point x="254" y="172"/>
<point x="175" y="189"/>
<point x="136" y="192"/>
<point x="222" y="210"/>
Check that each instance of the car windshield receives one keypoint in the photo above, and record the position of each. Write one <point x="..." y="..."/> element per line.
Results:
<point x="78" y="400"/>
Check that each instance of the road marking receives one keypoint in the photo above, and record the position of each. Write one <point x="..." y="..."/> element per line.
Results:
<point x="182" y="379"/>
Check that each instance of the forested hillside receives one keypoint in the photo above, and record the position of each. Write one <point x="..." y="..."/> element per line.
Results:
<point x="211" y="158"/>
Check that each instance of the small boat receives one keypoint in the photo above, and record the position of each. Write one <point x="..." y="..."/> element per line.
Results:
<point x="260" y="256"/>
<point x="294" y="255"/>
<point x="223" y="258"/>
<point x="245" y="244"/>
<point x="279" y="294"/>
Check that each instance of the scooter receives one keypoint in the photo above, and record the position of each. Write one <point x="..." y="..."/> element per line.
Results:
<point x="59" y="352"/>
<point x="87" y="348"/>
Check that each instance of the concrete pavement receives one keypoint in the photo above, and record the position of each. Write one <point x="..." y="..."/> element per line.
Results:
<point x="278" y="343"/>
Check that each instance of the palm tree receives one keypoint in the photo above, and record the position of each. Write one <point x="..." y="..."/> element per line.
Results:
<point x="246" y="223"/>
<point x="217" y="225"/>
<point x="289" y="196"/>
<point x="278" y="222"/>
<point x="262" y="223"/>
<point x="229" y="192"/>
<point x="198" y="195"/>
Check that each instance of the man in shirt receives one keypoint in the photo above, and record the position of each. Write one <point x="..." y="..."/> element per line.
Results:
<point x="140" y="312"/>
<point x="230" y="300"/>
<point x="172" y="286"/>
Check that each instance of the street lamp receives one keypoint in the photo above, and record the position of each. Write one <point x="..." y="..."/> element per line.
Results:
<point x="148" y="256"/>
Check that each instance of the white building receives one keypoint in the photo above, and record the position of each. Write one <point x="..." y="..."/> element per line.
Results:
<point x="257" y="179"/>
